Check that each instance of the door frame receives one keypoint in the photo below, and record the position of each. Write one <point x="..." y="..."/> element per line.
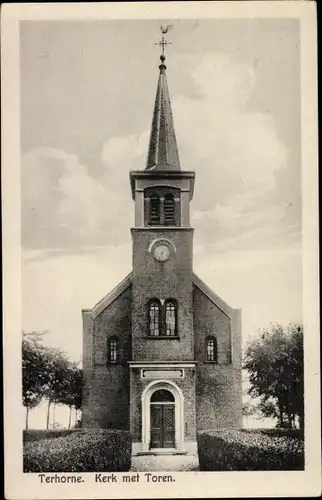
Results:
<point x="178" y="412"/>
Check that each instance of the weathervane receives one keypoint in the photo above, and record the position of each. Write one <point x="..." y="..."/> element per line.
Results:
<point x="163" y="43"/>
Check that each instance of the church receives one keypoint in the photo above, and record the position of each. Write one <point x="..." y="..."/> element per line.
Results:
<point x="162" y="351"/>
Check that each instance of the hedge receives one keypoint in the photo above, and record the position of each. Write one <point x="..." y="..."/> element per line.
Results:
<point x="92" y="450"/>
<point x="37" y="434"/>
<point x="236" y="450"/>
<point x="279" y="432"/>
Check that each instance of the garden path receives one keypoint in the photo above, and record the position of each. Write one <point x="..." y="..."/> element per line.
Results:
<point x="169" y="463"/>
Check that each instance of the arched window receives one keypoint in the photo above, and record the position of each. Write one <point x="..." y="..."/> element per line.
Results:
<point x="170" y="317"/>
<point x="169" y="210"/>
<point x="154" y="317"/>
<point x="154" y="218"/>
<point x="211" y="346"/>
<point x="112" y="350"/>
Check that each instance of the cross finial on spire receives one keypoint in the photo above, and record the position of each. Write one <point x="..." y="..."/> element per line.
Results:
<point x="163" y="42"/>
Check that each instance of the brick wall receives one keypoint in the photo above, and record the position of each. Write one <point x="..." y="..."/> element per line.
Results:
<point x="218" y="386"/>
<point x="171" y="279"/>
<point x="210" y="320"/>
<point x="188" y="386"/>
<point x="106" y="390"/>
<point x="115" y="320"/>
<point x="218" y="397"/>
<point x="107" y="404"/>
<point x="214" y="401"/>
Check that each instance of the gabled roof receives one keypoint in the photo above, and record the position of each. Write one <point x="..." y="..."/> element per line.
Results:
<point x="111" y="296"/>
<point x="123" y="285"/>
<point x="219" y="302"/>
<point x="163" y="150"/>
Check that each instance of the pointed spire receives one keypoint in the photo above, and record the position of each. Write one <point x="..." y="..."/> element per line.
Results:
<point x="163" y="150"/>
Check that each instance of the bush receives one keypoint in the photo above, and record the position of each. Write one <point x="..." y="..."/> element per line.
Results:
<point x="236" y="450"/>
<point x="92" y="450"/>
<point x="279" y="432"/>
<point x="36" y="435"/>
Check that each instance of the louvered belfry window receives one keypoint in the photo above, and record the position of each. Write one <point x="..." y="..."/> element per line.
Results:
<point x="212" y="349"/>
<point x="154" y="210"/>
<point x="169" y="210"/>
<point x="154" y="317"/>
<point x="171" y="318"/>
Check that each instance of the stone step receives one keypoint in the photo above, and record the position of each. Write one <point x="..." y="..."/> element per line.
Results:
<point x="169" y="463"/>
<point x="160" y="453"/>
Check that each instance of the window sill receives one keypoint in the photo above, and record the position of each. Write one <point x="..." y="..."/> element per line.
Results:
<point x="168" y="226"/>
<point x="179" y="227"/>
<point x="163" y="337"/>
<point x="216" y="363"/>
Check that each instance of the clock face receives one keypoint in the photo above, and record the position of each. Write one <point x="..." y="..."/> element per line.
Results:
<point x="161" y="253"/>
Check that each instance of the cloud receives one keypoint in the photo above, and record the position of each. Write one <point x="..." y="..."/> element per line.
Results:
<point x="234" y="150"/>
<point x="266" y="284"/>
<point x="64" y="208"/>
<point x="61" y="203"/>
<point x="246" y="244"/>
<point x="55" y="290"/>
<point x="125" y="153"/>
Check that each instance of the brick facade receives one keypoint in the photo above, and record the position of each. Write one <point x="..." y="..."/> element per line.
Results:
<point x="194" y="365"/>
<point x="106" y="391"/>
<point x="207" y="395"/>
<point x="171" y="279"/>
<point x="212" y="392"/>
<point x="218" y="386"/>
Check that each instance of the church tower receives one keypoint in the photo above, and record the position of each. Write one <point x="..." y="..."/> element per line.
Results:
<point x="162" y="351"/>
<point x="162" y="244"/>
<point x="162" y="290"/>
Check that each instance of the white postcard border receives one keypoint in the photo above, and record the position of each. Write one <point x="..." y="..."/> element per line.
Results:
<point x="186" y="485"/>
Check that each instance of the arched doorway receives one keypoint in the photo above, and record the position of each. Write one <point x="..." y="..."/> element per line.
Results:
<point x="167" y="393"/>
<point x="162" y="418"/>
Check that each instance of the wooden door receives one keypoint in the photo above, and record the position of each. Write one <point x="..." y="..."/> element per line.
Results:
<point x="162" y="426"/>
<point x="168" y="439"/>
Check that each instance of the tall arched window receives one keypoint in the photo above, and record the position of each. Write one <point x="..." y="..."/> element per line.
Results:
<point x="169" y="210"/>
<point x="154" y="317"/>
<point x="112" y="350"/>
<point x="170" y="317"/>
<point x="154" y="218"/>
<point x="211" y="346"/>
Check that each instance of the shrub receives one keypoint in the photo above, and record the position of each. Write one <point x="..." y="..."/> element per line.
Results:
<point x="236" y="450"/>
<point x="92" y="450"/>
<point x="36" y="435"/>
<point x="279" y="432"/>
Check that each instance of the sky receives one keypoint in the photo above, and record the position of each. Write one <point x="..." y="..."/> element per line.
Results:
<point x="87" y="96"/>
